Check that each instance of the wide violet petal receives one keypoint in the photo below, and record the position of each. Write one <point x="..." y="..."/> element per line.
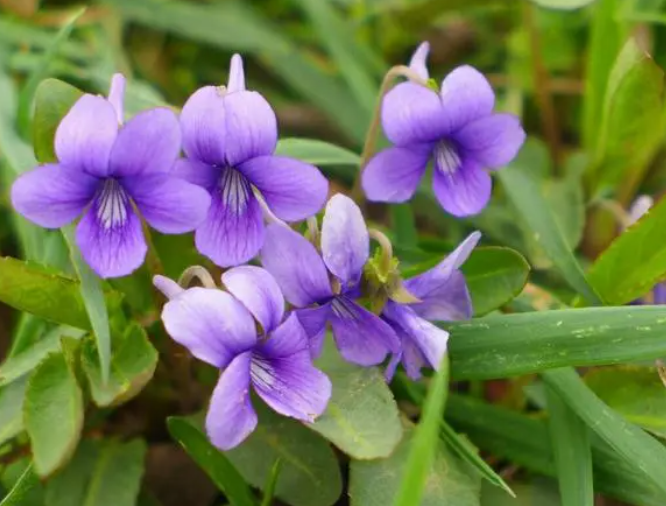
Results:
<point x="313" y="320"/>
<point x="203" y="125"/>
<point x="52" y="195"/>
<point x="231" y="417"/>
<point x="251" y="127"/>
<point x="466" y="95"/>
<point x="361" y="336"/>
<point x="117" y="96"/>
<point x="210" y="323"/>
<point x="148" y="144"/>
<point x="345" y="243"/>
<point x="86" y="135"/>
<point x="418" y="61"/>
<point x="295" y="264"/>
<point x="393" y="175"/>
<point x="412" y="114"/>
<point x="167" y="286"/>
<point x="258" y="292"/>
<point x="233" y="231"/>
<point x="169" y="204"/>
<point x="198" y="173"/>
<point x="284" y="377"/>
<point x="464" y="191"/>
<point x="492" y="141"/>
<point x="110" y="235"/>
<point x="293" y="190"/>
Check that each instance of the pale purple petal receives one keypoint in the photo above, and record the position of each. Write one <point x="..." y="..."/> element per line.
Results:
<point x="251" y="127"/>
<point x="313" y="320"/>
<point x="203" y="123"/>
<point x="210" y="323"/>
<point x="393" y="175"/>
<point x="259" y="293"/>
<point x="169" y="204"/>
<point x="640" y="206"/>
<point x="52" y="195"/>
<point x="293" y="190"/>
<point x="412" y="359"/>
<point x="231" y="417"/>
<point x="361" y="336"/>
<point x="284" y="377"/>
<point x="148" y="144"/>
<point x="195" y="172"/>
<point x="236" y="81"/>
<point x="492" y="141"/>
<point x="110" y="235"/>
<point x="659" y="294"/>
<point x="345" y="243"/>
<point x="295" y="264"/>
<point x="86" y="135"/>
<point x="464" y="191"/>
<point x="167" y="286"/>
<point x="466" y="95"/>
<point x="392" y="366"/>
<point x="233" y="231"/>
<point x="430" y="341"/>
<point x="418" y="61"/>
<point x="412" y="114"/>
<point x="117" y="96"/>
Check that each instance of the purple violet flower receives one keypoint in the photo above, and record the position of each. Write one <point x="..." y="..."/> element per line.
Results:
<point x="443" y="296"/>
<point x="454" y="128"/>
<point x="219" y="328"/>
<point x="108" y="172"/>
<point x="324" y="287"/>
<point x="229" y="136"/>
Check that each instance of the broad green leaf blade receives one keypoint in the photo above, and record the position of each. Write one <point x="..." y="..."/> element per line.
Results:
<point x="524" y="440"/>
<point x="53" y="100"/>
<point x="639" y="449"/>
<point x="637" y="393"/>
<point x="522" y="343"/>
<point x="316" y="152"/>
<point x="573" y="456"/>
<point x="310" y="473"/>
<point x="93" y="300"/>
<point x="116" y="477"/>
<point x="53" y="413"/>
<point x="362" y="417"/>
<point x="11" y="409"/>
<point x="424" y="444"/>
<point x="404" y="226"/>
<point x="70" y="485"/>
<point x="211" y="460"/>
<point x="449" y="481"/>
<point x="530" y="202"/>
<point x="133" y="364"/>
<point x="26" y="490"/>
<point x="634" y="262"/>
<point x="563" y="4"/>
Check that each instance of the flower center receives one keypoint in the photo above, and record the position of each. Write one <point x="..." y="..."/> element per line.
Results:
<point x="261" y="372"/>
<point x="235" y="189"/>
<point x="342" y="308"/>
<point x="447" y="159"/>
<point x="112" y="204"/>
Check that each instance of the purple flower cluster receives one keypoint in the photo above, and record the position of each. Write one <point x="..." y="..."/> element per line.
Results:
<point x="117" y="176"/>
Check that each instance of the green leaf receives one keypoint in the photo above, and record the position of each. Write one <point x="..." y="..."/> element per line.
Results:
<point x="133" y="364"/>
<point x="510" y="345"/>
<point x="70" y="485"/>
<point x="316" y="152"/>
<point x="116" y="477"/>
<point x="449" y="481"/>
<point x="53" y="100"/>
<point x="271" y="483"/>
<point x="530" y="202"/>
<point x="634" y="262"/>
<point x="310" y="473"/>
<point x="53" y="413"/>
<point x="422" y="449"/>
<point x="93" y="300"/>
<point x="563" y="4"/>
<point x="639" y="449"/>
<point x="211" y="460"/>
<point x="11" y="409"/>
<point x="637" y="393"/>
<point x="362" y="417"/>
<point x="573" y="456"/>
<point x="24" y="490"/>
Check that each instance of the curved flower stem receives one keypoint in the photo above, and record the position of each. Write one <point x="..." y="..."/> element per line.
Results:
<point x="619" y="213"/>
<point x="313" y="231"/>
<point x="371" y="135"/>
<point x="153" y="261"/>
<point x="385" y="244"/>
<point x="196" y="272"/>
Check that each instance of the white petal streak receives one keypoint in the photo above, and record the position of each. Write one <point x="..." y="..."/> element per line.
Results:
<point x="112" y="205"/>
<point x="236" y="190"/>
